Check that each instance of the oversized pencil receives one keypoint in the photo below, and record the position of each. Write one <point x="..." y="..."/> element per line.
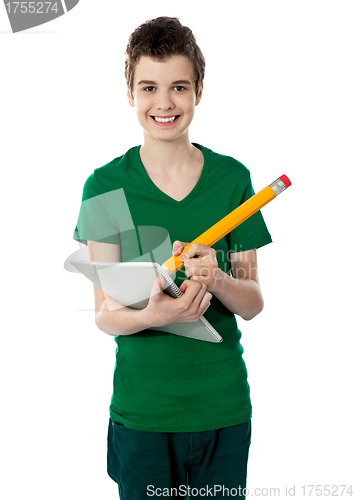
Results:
<point x="232" y="220"/>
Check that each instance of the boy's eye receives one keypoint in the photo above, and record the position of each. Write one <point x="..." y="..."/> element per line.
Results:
<point x="179" y="88"/>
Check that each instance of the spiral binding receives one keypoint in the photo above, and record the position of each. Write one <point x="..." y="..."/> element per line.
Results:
<point x="178" y="292"/>
<point x="168" y="279"/>
<point x="210" y="328"/>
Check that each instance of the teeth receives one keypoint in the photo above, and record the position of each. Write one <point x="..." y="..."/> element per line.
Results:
<point x="164" y="120"/>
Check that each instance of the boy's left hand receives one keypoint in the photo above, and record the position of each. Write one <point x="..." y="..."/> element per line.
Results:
<point x="200" y="263"/>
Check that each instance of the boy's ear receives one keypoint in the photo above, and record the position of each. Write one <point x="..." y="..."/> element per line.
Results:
<point x="130" y="98"/>
<point x="198" y="97"/>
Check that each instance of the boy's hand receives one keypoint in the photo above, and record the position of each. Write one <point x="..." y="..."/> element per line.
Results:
<point x="163" y="310"/>
<point x="200" y="263"/>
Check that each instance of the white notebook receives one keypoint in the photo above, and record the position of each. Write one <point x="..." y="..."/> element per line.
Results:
<point x="130" y="284"/>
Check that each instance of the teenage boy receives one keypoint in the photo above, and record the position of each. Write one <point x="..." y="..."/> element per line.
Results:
<point x="180" y="414"/>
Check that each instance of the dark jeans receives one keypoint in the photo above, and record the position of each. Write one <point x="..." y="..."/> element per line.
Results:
<point x="184" y="465"/>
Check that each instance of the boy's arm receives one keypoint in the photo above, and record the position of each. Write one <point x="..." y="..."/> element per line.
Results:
<point x="241" y="294"/>
<point x="114" y="319"/>
<point x="110" y="316"/>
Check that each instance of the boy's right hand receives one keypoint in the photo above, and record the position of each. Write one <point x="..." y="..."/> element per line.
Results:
<point x="163" y="310"/>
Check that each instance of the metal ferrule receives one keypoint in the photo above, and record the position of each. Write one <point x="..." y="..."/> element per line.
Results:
<point x="278" y="186"/>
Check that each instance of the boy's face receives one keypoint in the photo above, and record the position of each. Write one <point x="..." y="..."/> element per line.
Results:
<point x="161" y="90"/>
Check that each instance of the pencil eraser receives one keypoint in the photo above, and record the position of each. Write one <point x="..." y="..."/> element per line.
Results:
<point x="285" y="180"/>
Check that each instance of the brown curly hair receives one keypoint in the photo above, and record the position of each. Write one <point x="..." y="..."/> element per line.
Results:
<point x="160" y="38"/>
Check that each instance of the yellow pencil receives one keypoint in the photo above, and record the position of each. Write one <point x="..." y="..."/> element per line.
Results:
<point x="232" y="220"/>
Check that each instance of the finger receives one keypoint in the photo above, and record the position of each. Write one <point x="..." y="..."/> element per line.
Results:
<point x="192" y="288"/>
<point x="195" y="291"/>
<point x="200" y="279"/>
<point x="183" y="286"/>
<point x="205" y="302"/>
<point x="205" y="307"/>
<point x="203" y="297"/>
<point x="178" y="247"/>
<point x="196" y="269"/>
<point x="196" y="249"/>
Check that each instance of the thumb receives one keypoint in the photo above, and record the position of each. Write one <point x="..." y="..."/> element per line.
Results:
<point x="178" y="247"/>
<point x="158" y="285"/>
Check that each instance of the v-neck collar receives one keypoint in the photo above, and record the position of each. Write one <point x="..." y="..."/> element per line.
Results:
<point x="163" y="195"/>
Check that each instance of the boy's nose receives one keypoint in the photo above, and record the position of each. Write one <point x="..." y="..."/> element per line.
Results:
<point x="165" y="102"/>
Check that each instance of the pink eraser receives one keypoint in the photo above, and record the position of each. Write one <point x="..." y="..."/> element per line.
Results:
<point x="285" y="180"/>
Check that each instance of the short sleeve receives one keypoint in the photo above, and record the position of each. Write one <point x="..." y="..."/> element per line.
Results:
<point x="94" y="221"/>
<point x="253" y="232"/>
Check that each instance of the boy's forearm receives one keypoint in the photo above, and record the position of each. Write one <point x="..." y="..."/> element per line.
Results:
<point x="122" y="321"/>
<point x="241" y="296"/>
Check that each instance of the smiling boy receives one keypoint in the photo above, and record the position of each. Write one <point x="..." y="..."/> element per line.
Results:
<point x="165" y="107"/>
<point x="180" y="413"/>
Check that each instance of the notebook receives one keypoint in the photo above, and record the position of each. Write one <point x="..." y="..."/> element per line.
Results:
<point x="130" y="284"/>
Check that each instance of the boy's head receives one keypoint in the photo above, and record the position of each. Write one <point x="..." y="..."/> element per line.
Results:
<point x="159" y="39"/>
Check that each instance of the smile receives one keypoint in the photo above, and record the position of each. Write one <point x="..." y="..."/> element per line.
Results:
<point x="168" y="119"/>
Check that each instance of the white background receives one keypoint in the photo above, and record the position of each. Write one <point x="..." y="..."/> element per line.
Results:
<point x="279" y="97"/>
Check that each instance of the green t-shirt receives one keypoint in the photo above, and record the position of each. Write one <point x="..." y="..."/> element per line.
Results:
<point x="164" y="382"/>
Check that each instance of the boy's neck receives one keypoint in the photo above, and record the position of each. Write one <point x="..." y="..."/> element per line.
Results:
<point x="165" y="157"/>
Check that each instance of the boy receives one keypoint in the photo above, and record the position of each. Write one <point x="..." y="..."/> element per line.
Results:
<point x="180" y="414"/>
